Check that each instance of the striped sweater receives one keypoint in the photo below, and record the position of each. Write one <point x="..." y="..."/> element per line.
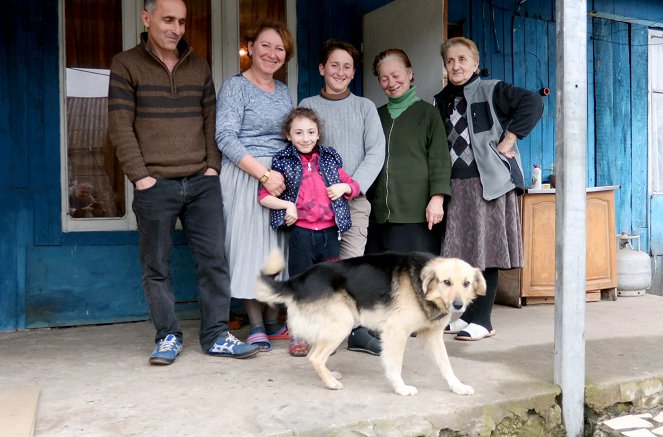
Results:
<point x="161" y="123"/>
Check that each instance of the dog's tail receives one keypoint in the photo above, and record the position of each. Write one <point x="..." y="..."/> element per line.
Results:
<point x="273" y="264"/>
<point x="268" y="289"/>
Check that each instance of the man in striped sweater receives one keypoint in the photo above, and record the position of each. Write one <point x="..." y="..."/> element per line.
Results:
<point x="161" y="121"/>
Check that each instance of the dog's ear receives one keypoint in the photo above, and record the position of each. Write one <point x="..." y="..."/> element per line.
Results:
<point x="479" y="283"/>
<point x="428" y="279"/>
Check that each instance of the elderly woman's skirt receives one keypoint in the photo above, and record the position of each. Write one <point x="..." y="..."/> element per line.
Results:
<point x="486" y="234"/>
<point x="249" y="238"/>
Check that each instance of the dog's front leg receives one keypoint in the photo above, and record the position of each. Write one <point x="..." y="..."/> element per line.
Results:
<point x="434" y="340"/>
<point x="393" y="348"/>
<point x="318" y="356"/>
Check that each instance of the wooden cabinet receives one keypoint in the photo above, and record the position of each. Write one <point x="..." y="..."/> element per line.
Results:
<point x="535" y="282"/>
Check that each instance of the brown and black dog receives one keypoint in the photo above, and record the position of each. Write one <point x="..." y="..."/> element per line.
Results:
<point x="394" y="294"/>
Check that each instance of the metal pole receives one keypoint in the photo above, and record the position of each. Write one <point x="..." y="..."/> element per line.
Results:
<point x="570" y="228"/>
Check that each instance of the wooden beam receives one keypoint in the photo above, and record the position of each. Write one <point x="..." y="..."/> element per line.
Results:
<point x="613" y="17"/>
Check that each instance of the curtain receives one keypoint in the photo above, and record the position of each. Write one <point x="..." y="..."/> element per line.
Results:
<point x="198" y="29"/>
<point x="93" y="32"/>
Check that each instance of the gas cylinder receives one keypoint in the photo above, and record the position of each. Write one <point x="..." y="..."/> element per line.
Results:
<point x="633" y="267"/>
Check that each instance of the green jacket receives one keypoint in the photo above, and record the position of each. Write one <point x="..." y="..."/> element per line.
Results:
<point x="416" y="166"/>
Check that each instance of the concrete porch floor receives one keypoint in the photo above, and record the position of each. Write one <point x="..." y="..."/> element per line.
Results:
<point x="96" y="381"/>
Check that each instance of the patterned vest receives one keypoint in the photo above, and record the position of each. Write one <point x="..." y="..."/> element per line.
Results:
<point x="288" y="163"/>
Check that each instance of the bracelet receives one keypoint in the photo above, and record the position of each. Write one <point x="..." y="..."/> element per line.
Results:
<point x="264" y="177"/>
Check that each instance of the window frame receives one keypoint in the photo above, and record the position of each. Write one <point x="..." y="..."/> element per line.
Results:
<point x="224" y="22"/>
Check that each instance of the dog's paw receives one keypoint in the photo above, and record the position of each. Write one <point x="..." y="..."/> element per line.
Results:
<point x="462" y="389"/>
<point x="337" y="375"/>
<point x="406" y="390"/>
<point x="334" y="384"/>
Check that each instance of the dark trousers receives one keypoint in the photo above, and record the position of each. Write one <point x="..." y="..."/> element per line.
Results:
<point x="403" y="237"/>
<point x="196" y="200"/>
<point x="307" y="247"/>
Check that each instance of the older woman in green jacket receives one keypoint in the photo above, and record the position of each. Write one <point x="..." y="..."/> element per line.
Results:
<point x="407" y="198"/>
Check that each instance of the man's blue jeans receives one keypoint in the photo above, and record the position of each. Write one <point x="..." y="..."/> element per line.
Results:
<point x="196" y="200"/>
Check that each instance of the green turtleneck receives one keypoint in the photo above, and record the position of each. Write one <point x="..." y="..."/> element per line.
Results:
<point x="396" y="105"/>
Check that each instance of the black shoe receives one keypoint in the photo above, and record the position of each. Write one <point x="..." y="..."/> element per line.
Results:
<point x="363" y="340"/>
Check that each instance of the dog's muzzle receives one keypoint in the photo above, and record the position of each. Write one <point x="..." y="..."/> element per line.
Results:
<point x="457" y="306"/>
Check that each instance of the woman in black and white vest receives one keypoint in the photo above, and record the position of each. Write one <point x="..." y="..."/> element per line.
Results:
<point x="483" y="120"/>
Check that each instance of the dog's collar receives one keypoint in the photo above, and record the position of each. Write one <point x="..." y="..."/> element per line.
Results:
<point x="440" y="317"/>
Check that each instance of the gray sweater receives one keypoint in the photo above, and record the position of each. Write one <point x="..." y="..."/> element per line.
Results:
<point x="249" y="120"/>
<point x="352" y="127"/>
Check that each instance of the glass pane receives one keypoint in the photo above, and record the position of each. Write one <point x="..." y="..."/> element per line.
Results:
<point x="95" y="179"/>
<point x="251" y="12"/>
<point x="198" y="31"/>
<point x="93" y="32"/>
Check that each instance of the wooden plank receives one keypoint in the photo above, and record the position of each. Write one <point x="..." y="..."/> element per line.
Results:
<point x="307" y="37"/>
<point x="540" y="80"/>
<point x="603" y="99"/>
<point x="508" y="21"/>
<point x="477" y="29"/>
<point x="593" y="296"/>
<point x="591" y="125"/>
<point x="18" y="414"/>
<point x="648" y="11"/>
<point x="619" y="147"/>
<point x="519" y="79"/>
<point x="535" y="55"/>
<point x="639" y="133"/>
<point x="536" y="300"/>
<point x="42" y="121"/>
<point x="540" y="9"/>
<point x="590" y="296"/>
<point x="488" y="38"/>
<point x="497" y="28"/>
<point x="9" y="239"/>
<point x="548" y="121"/>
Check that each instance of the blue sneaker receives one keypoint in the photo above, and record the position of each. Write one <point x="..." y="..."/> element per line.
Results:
<point x="166" y="350"/>
<point x="230" y="346"/>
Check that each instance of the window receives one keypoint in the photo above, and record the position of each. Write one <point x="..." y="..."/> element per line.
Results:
<point x="95" y="184"/>
<point x="96" y="196"/>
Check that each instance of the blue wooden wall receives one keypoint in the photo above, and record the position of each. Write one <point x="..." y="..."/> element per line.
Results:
<point x="320" y="20"/>
<point x="47" y="277"/>
<point x="51" y="278"/>
<point x="517" y="44"/>
<point x="621" y="118"/>
<point x="29" y="145"/>
<point x="621" y="90"/>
